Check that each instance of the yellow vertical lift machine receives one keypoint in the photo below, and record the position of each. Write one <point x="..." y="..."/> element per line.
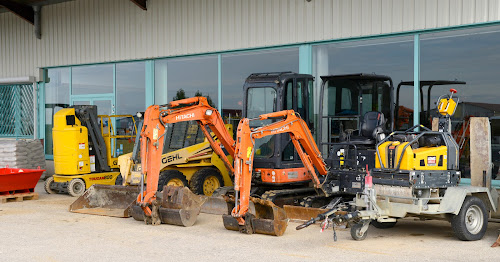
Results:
<point x="82" y="149"/>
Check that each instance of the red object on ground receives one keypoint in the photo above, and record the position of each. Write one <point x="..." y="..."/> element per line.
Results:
<point x="18" y="180"/>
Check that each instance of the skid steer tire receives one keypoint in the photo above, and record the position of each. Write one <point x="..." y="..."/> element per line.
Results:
<point x="47" y="185"/>
<point x="205" y="181"/>
<point x="385" y="225"/>
<point x="172" y="178"/>
<point x="76" y="187"/>
<point x="471" y="222"/>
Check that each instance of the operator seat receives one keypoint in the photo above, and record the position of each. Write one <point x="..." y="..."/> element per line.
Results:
<point x="372" y="125"/>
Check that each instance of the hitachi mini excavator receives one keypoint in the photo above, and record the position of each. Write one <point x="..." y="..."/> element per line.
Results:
<point x="175" y="205"/>
<point x="268" y="218"/>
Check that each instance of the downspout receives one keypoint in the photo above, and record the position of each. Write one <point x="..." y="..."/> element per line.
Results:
<point x="38" y="21"/>
<point x="35" y="110"/>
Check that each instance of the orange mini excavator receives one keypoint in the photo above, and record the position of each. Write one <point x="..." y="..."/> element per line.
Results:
<point x="268" y="218"/>
<point x="175" y="205"/>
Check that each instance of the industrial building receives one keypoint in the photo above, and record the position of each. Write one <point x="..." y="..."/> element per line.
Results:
<point x="124" y="55"/>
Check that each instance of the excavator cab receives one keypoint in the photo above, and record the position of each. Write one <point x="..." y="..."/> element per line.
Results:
<point x="273" y="92"/>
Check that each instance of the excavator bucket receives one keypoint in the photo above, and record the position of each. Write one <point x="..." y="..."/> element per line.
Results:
<point x="106" y="200"/>
<point x="176" y="206"/>
<point x="267" y="218"/>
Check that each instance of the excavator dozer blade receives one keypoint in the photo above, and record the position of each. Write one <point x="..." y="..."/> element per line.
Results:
<point x="177" y="206"/>
<point x="266" y="218"/>
<point x="106" y="200"/>
<point x="215" y="206"/>
<point x="298" y="213"/>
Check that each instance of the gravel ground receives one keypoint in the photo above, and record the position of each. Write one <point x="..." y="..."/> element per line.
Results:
<point x="44" y="230"/>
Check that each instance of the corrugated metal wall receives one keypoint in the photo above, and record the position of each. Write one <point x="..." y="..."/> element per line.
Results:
<point x="91" y="31"/>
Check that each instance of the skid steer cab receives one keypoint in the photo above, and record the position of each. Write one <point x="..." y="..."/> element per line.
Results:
<point x="86" y="148"/>
<point x="417" y="174"/>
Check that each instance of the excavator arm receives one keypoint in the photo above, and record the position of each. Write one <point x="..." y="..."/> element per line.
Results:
<point x="154" y="129"/>
<point x="302" y="139"/>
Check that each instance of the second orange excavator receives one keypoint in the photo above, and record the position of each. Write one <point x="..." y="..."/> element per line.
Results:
<point x="267" y="218"/>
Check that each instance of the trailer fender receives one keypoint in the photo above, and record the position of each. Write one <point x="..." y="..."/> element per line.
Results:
<point x="455" y="196"/>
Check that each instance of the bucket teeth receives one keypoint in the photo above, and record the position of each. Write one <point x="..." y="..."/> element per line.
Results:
<point x="269" y="219"/>
<point x="174" y="206"/>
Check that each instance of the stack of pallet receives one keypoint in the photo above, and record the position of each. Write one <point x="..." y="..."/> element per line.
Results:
<point x="23" y="153"/>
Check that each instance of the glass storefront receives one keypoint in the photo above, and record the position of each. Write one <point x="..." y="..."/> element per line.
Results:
<point x="468" y="55"/>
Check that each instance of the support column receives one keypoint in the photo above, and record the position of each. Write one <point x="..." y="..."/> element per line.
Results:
<point x="219" y="83"/>
<point x="416" y="80"/>
<point x="305" y="59"/>
<point x="150" y="83"/>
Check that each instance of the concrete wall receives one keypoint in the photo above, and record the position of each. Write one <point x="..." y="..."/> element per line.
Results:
<point x="92" y="31"/>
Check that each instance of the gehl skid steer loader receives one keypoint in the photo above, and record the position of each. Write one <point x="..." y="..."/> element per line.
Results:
<point x="188" y="161"/>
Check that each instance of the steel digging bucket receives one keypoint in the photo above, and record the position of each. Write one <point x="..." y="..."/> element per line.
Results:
<point x="267" y="218"/>
<point x="177" y="206"/>
<point x="106" y="200"/>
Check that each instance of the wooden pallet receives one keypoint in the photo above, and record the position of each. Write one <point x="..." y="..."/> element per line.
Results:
<point x="18" y="197"/>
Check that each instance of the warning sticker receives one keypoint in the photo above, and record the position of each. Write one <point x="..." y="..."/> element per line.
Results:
<point x="92" y="159"/>
<point x="431" y="160"/>
<point x="81" y="146"/>
<point x="293" y="175"/>
<point x="80" y="163"/>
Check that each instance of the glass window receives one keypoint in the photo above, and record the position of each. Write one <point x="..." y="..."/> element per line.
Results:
<point x="93" y="79"/>
<point x="130" y="88"/>
<point x="56" y="98"/>
<point x="237" y="67"/>
<point x="186" y="77"/>
<point x="391" y="56"/>
<point x="261" y="100"/>
<point x="473" y="56"/>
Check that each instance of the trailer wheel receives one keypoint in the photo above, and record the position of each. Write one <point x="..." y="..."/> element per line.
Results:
<point x="472" y="220"/>
<point x="356" y="232"/>
<point x="205" y="181"/>
<point x="47" y="185"/>
<point x="171" y="178"/>
<point x="383" y="225"/>
<point x="76" y="187"/>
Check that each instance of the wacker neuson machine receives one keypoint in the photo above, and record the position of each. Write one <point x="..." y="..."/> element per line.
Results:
<point x="417" y="174"/>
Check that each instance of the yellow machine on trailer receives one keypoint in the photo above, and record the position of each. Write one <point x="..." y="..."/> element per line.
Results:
<point x="82" y="150"/>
